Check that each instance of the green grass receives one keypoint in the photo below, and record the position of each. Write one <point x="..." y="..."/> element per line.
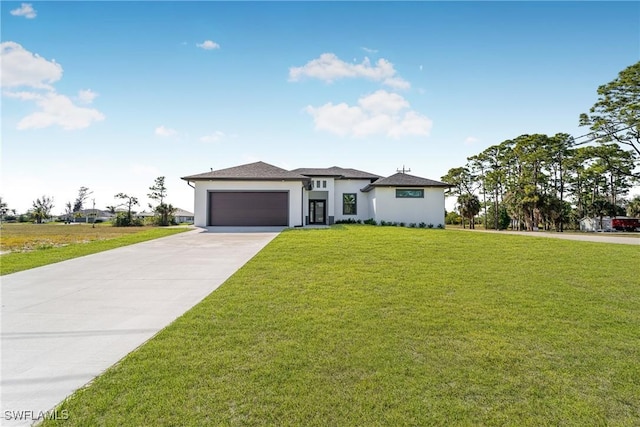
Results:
<point x="381" y="326"/>
<point x="40" y="254"/>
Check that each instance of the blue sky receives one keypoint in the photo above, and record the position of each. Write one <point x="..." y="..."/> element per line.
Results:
<point x="110" y="95"/>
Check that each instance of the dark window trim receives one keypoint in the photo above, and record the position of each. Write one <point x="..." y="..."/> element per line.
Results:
<point x="409" y="196"/>
<point x="354" y="204"/>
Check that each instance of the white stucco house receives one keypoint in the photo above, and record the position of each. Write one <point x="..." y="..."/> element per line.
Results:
<point x="260" y="194"/>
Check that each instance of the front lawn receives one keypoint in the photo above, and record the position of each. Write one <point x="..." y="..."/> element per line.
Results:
<point x="35" y="245"/>
<point x="365" y="326"/>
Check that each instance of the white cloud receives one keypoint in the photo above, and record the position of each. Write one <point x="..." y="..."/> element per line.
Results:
<point x="214" y="137"/>
<point x="328" y="67"/>
<point x="366" y="49"/>
<point x="165" y="132"/>
<point x="24" y="96"/>
<point x="25" y="10"/>
<point x="397" y="83"/>
<point x="208" y="45"/>
<point x="471" y="140"/>
<point x="86" y="96"/>
<point x="381" y="113"/>
<point x="381" y="102"/>
<point x="23" y="68"/>
<point x="339" y="119"/>
<point x="56" y="109"/>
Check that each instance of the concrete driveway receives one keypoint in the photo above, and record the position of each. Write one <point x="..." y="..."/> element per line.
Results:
<point x="64" y="324"/>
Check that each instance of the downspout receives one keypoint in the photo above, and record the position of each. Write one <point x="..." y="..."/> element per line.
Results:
<point x="194" y="201"/>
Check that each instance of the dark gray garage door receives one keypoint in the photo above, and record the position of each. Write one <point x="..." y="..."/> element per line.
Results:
<point x="249" y="208"/>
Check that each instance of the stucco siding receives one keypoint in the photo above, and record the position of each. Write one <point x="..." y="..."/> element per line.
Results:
<point x="353" y="186"/>
<point x="202" y="189"/>
<point x="429" y="209"/>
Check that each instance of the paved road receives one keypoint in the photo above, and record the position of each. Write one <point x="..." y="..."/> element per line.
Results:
<point x="585" y="237"/>
<point x="64" y="324"/>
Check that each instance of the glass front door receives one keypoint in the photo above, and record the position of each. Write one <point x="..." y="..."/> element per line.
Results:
<point x="317" y="212"/>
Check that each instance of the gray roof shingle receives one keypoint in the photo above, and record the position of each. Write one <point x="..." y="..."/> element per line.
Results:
<point x="259" y="171"/>
<point x="344" y="173"/>
<point x="404" y="180"/>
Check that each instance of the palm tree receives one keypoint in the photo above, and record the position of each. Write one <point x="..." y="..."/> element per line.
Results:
<point x="42" y="208"/>
<point x="633" y="208"/>
<point x="469" y="206"/>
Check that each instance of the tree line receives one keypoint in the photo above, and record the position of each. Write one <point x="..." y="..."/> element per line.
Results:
<point x="42" y="207"/>
<point x="552" y="182"/>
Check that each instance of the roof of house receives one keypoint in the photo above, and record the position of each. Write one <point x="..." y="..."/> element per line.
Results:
<point x="404" y="180"/>
<point x="344" y="173"/>
<point x="260" y="171"/>
<point x="182" y="212"/>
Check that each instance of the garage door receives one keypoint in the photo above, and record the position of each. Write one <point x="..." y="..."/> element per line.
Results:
<point x="249" y="208"/>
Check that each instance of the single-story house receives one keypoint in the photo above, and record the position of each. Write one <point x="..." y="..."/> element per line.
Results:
<point x="593" y="224"/>
<point x="183" y="217"/>
<point x="144" y="215"/>
<point x="260" y="194"/>
<point x="88" y="216"/>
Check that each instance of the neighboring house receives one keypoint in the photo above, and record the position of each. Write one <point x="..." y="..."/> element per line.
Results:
<point x="144" y="215"/>
<point x="87" y="216"/>
<point x="593" y="224"/>
<point x="183" y="217"/>
<point x="618" y="223"/>
<point x="260" y="194"/>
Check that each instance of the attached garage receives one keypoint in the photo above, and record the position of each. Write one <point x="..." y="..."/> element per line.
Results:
<point x="248" y="208"/>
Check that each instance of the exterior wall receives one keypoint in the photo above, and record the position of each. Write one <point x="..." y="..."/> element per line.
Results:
<point x="203" y="188"/>
<point x="593" y="224"/>
<point x="321" y="193"/>
<point x="386" y="207"/>
<point x="184" y="219"/>
<point x="362" y="199"/>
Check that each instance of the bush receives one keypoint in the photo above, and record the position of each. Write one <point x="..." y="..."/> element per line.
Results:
<point x="370" y="221"/>
<point x="412" y="225"/>
<point x="453" y="218"/>
<point x="422" y="225"/>
<point x="348" y="221"/>
<point x="503" y="218"/>
<point x="440" y="226"/>
<point x="429" y="225"/>
<point x="123" y="219"/>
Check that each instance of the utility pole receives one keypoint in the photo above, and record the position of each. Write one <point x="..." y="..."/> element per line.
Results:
<point x="93" y="225"/>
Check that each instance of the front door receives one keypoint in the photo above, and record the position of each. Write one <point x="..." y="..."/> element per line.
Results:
<point x="317" y="211"/>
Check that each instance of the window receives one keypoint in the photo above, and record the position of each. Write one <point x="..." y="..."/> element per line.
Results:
<point x="349" y="204"/>
<point x="324" y="184"/>
<point x="318" y="184"/>
<point x="410" y="194"/>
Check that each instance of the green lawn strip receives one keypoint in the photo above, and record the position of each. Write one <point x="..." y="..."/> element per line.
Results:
<point x="360" y="325"/>
<point x="19" y="261"/>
